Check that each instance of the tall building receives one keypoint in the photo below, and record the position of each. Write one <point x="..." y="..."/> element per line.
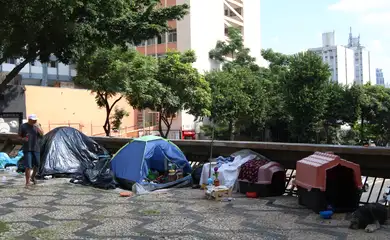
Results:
<point x="339" y="58"/>
<point x="363" y="70"/>
<point x="380" y="80"/>
<point x="207" y="23"/>
<point x="36" y="73"/>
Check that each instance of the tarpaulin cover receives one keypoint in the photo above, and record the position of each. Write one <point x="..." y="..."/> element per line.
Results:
<point x="6" y="161"/>
<point x="66" y="150"/>
<point x="100" y="176"/>
<point x="133" y="161"/>
<point x="179" y="183"/>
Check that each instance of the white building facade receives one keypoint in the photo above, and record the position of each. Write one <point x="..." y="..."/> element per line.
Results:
<point x="200" y="30"/>
<point x="339" y="58"/>
<point x="36" y="73"/>
<point x="207" y="23"/>
<point x="348" y="64"/>
<point x="380" y="80"/>
<point x="362" y="59"/>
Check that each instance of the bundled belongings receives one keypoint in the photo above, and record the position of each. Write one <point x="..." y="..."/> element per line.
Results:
<point x="229" y="167"/>
<point x="65" y="150"/>
<point x="153" y="162"/>
<point x="7" y="161"/>
<point x="100" y="176"/>
<point x="262" y="176"/>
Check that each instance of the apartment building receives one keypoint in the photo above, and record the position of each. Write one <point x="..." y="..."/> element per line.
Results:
<point x="380" y="80"/>
<point x="41" y="74"/>
<point x="362" y="59"/>
<point x="339" y="58"/>
<point x="206" y="23"/>
<point x="348" y="64"/>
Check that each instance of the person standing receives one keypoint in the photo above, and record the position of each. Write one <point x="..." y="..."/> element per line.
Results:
<point x="31" y="132"/>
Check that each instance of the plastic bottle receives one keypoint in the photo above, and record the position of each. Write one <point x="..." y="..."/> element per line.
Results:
<point x="4" y="179"/>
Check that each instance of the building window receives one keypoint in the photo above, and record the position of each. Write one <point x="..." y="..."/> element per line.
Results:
<point x="151" y="41"/>
<point x="53" y="64"/>
<point x="172" y="36"/>
<point x="162" y="39"/>
<point x="141" y="44"/>
<point x="239" y="10"/>
<point x="331" y="57"/>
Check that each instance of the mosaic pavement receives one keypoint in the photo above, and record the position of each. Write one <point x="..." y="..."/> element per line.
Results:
<point x="57" y="209"/>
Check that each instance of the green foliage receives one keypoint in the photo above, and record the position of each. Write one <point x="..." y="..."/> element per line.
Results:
<point x="233" y="49"/>
<point x="109" y="73"/>
<point x="305" y="94"/>
<point x="117" y="118"/>
<point x="221" y="131"/>
<point x="238" y="92"/>
<point x="175" y="86"/>
<point x="69" y="29"/>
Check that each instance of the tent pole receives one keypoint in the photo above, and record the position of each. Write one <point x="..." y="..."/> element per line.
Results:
<point x="211" y="149"/>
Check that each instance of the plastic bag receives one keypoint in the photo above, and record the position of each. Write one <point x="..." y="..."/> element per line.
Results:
<point x="139" y="189"/>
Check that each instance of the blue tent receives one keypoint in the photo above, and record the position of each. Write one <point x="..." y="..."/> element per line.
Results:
<point x="133" y="161"/>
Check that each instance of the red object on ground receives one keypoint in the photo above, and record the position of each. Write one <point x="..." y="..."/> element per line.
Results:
<point x="312" y="170"/>
<point x="125" y="194"/>
<point x="251" y="194"/>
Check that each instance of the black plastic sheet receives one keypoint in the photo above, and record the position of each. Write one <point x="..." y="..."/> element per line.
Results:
<point x="100" y="176"/>
<point x="66" y="150"/>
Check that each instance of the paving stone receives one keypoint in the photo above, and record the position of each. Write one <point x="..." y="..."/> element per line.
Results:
<point x="174" y="224"/>
<point x="68" y="212"/>
<point x="15" y="230"/>
<point x="115" y="227"/>
<point x="22" y="214"/>
<point x="113" y="211"/>
<point x="58" y="230"/>
<point x="35" y="201"/>
<point x="222" y="222"/>
<point x="57" y="209"/>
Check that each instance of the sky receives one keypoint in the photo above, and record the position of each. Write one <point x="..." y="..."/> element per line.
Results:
<point x="290" y="26"/>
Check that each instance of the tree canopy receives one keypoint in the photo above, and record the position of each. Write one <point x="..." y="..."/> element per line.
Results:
<point x="38" y="29"/>
<point x="109" y="73"/>
<point x="176" y="86"/>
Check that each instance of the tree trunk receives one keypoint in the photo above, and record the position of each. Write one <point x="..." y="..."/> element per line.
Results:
<point x="167" y="123"/>
<point x="362" y="128"/>
<point x="14" y="72"/>
<point x="107" y="124"/>
<point x="231" y="130"/>
<point x="160" y="125"/>
<point x="326" y="129"/>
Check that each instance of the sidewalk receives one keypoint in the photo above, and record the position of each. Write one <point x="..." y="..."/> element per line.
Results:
<point x="56" y="209"/>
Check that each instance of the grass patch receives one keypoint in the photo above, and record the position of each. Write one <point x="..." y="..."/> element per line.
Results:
<point x="4" y="227"/>
<point x="151" y="212"/>
<point x="42" y="233"/>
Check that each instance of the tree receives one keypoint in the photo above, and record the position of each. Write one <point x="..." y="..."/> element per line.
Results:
<point x="342" y="107"/>
<point x="176" y="86"/>
<point x="238" y="94"/>
<point x="233" y="52"/>
<point x="117" y="118"/>
<point x="305" y="96"/>
<point x="229" y="100"/>
<point x="109" y="73"/>
<point x="37" y="29"/>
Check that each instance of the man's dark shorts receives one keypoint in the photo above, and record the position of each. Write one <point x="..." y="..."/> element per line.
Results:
<point x="31" y="159"/>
